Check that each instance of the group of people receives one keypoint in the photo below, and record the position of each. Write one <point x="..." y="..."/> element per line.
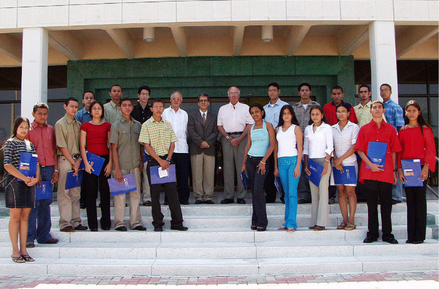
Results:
<point x="262" y="141"/>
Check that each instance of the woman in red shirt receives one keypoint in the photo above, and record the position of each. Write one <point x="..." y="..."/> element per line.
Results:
<point x="417" y="142"/>
<point x="95" y="137"/>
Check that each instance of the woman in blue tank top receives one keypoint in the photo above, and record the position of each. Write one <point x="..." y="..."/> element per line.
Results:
<point x="260" y="144"/>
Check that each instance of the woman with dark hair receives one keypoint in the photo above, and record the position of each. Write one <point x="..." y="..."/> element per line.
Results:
<point x="345" y="136"/>
<point x="318" y="146"/>
<point x="260" y="144"/>
<point x="20" y="195"/>
<point x="95" y="138"/>
<point x="417" y="142"/>
<point x="288" y="157"/>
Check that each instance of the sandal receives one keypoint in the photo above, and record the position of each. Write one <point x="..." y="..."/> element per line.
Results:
<point x="282" y="228"/>
<point x="18" y="259"/>
<point x="342" y="226"/>
<point x="28" y="258"/>
<point x="350" y="226"/>
<point x="319" y="228"/>
<point x="253" y="227"/>
<point x="291" y="230"/>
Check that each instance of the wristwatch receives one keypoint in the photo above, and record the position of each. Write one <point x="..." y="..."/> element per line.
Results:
<point x="168" y="159"/>
<point x="227" y="137"/>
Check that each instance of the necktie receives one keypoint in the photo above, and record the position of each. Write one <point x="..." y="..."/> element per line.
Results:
<point x="204" y="117"/>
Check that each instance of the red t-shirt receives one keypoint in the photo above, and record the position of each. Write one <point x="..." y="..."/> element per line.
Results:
<point x="416" y="145"/>
<point x="97" y="137"/>
<point x="330" y="110"/>
<point x="387" y="134"/>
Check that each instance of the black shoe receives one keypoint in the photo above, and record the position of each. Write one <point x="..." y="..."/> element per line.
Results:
<point x="68" y="229"/>
<point x="261" y="229"/>
<point x="180" y="228"/>
<point x="158" y="229"/>
<point x="409" y="242"/>
<point x="198" y="202"/>
<point x="394" y="202"/>
<point x="240" y="201"/>
<point x="105" y="228"/>
<point x="369" y="240"/>
<point x="331" y="201"/>
<point x="147" y="203"/>
<point x="302" y="201"/>
<point x="94" y="229"/>
<point x="418" y="242"/>
<point x="81" y="228"/>
<point x="30" y="244"/>
<point x="82" y="206"/>
<point x="184" y="203"/>
<point x="227" y="201"/>
<point x="165" y="203"/>
<point x="139" y="228"/>
<point x="51" y="241"/>
<point x="121" y="229"/>
<point x="210" y="202"/>
<point x="391" y="241"/>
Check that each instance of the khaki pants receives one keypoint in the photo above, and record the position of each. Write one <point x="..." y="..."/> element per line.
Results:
<point x="203" y="172"/>
<point x="232" y="165"/>
<point x="119" y="203"/>
<point x="320" y="197"/>
<point x="146" y="191"/>
<point x="68" y="200"/>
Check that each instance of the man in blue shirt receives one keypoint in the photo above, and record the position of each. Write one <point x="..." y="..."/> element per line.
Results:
<point x="83" y="115"/>
<point x="394" y="116"/>
<point x="272" y="111"/>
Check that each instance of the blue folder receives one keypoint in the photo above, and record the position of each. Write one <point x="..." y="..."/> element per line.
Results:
<point x="28" y="164"/>
<point x="44" y="191"/>
<point x="245" y="181"/>
<point x="145" y="156"/>
<point x="74" y="181"/>
<point x="412" y="170"/>
<point x="126" y="186"/>
<point x="316" y="170"/>
<point x="95" y="161"/>
<point x="348" y="177"/>
<point x="155" y="178"/>
<point x="278" y="185"/>
<point x="376" y="152"/>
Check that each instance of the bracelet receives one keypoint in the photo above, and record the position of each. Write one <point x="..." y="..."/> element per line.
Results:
<point x="327" y="160"/>
<point x="395" y="170"/>
<point x="262" y="162"/>
<point x="57" y="171"/>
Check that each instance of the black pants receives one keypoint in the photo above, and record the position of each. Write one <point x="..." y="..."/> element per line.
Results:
<point x="182" y="165"/>
<point x="383" y="191"/>
<point x="269" y="187"/>
<point x="303" y="189"/>
<point x="90" y="183"/>
<point x="172" y="196"/>
<point x="259" y="217"/>
<point x="416" y="213"/>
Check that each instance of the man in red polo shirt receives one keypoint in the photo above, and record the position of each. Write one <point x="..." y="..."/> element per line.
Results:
<point x="337" y="99"/>
<point x="378" y="180"/>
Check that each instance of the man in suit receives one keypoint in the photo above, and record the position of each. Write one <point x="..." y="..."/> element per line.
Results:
<point x="202" y="133"/>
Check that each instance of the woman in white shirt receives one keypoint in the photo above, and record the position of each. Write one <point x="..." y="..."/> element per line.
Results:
<point x="288" y="156"/>
<point x="318" y="146"/>
<point x="345" y="136"/>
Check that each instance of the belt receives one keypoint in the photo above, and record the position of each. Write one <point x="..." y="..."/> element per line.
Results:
<point x="235" y="132"/>
<point x="75" y="157"/>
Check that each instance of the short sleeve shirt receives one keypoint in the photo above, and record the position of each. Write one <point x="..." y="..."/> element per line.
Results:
<point x="272" y="112"/>
<point x="158" y="134"/>
<point x="67" y="132"/>
<point x="344" y="140"/>
<point x="13" y="150"/>
<point x="44" y="141"/>
<point x="126" y="136"/>
<point x="111" y="112"/>
<point x="97" y="137"/>
<point x="234" y="118"/>
<point x="394" y="114"/>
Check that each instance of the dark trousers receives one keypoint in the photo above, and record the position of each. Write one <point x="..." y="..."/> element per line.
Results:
<point x="259" y="217"/>
<point x="93" y="184"/>
<point x="182" y="165"/>
<point x="383" y="191"/>
<point x="303" y="189"/>
<point x="269" y="187"/>
<point x="416" y="213"/>
<point x="360" y="191"/>
<point x="172" y="197"/>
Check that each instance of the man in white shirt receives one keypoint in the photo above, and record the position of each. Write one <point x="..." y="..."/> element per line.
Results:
<point x="234" y="120"/>
<point x="272" y="111"/>
<point x="179" y="119"/>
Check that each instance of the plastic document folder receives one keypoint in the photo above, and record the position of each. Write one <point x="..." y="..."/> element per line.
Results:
<point x="95" y="161"/>
<point x="127" y="185"/>
<point x="316" y="170"/>
<point x="159" y="176"/>
<point x="376" y="152"/>
<point x="245" y="181"/>
<point x="278" y="185"/>
<point x="348" y="177"/>
<point x="412" y="170"/>
<point x="28" y="164"/>
<point x="145" y="156"/>
<point x="74" y="181"/>
<point x="44" y="191"/>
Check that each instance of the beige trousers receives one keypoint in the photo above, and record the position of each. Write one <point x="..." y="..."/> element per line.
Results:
<point x="320" y="197"/>
<point x="203" y="173"/>
<point x="146" y="190"/>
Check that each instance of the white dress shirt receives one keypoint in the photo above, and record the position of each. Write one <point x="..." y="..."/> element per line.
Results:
<point x="179" y="120"/>
<point x="344" y="139"/>
<point x="319" y="143"/>
<point x="234" y="118"/>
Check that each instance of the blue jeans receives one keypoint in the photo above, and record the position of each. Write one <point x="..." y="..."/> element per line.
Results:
<point x="41" y="214"/>
<point x="259" y="217"/>
<point x="397" y="191"/>
<point x="286" y="166"/>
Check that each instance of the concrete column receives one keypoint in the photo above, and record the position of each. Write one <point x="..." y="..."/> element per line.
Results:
<point x="34" y="69"/>
<point x="382" y="45"/>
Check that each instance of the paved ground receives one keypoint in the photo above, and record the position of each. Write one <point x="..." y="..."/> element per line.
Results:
<point x="399" y="280"/>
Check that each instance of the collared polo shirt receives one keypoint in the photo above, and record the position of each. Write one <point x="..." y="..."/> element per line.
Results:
<point x="272" y="112"/>
<point x="44" y="141"/>
<point x="67" y="132"/>
<point x="83" y="115"/>
<point x="112" y="112"/>
<point x="330" y="110"/>
<point x="385" y="133"/>
<point x="234" y="118"/>
<point x="302" y="114"/>
<point x="394" y="114"/>
<point x="126" y="135"/>
<point x="158" y="134"/>
<point x="178" y="120"/>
